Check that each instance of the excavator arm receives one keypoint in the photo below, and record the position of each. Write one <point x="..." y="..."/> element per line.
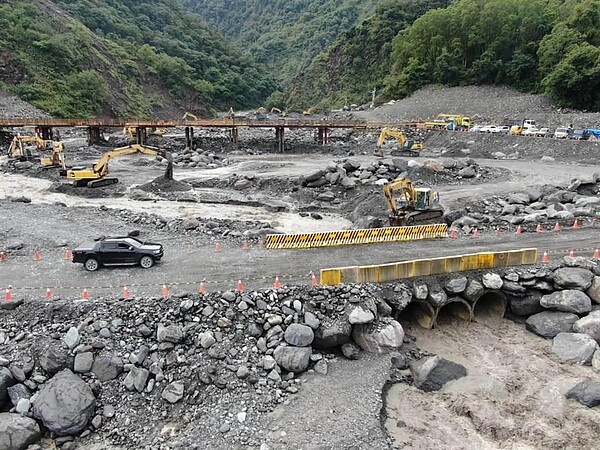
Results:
<point x="96" y="176"/>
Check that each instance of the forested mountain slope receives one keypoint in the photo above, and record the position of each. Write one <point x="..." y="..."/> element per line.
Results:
<point x="543" y="46"/>
<point x="283" y="35"/>
<point x="121" y="58"/>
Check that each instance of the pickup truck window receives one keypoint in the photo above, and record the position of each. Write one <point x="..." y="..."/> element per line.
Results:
<point x="109" y="246"/>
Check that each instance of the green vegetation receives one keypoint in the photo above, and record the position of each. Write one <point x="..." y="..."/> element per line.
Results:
<point x="359" y="60"/>
<point x="282" y="35"/>
<point x="122" y="58"/>
<point x="543" y="46"/>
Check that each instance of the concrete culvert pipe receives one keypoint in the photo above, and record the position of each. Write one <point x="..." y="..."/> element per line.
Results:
<point x="419" y="313"/>
<point x="455" y="310"/>
<point x="491" y="305"/>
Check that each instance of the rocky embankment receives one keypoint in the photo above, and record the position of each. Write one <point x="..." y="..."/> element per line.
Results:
<point x="213" y="365"/>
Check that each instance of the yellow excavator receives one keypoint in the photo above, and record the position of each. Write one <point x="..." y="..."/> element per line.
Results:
<point x="97" y="175"/>
<point x="56" y="158"/>
<point x="409" y="205"/>
<point x="407" y="146"/>
<point x="190" y="116"/>
<point x="21" y="147"/>
<point x="310" y="111"/>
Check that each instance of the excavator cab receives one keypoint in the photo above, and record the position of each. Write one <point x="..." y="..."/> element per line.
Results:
<point x="425" y="198"/>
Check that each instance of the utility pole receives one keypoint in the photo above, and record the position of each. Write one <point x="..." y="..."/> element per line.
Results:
<point x="373" y="98"/>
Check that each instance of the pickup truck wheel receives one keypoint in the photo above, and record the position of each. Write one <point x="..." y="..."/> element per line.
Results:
<point x="91" y="264"/>
<point x="146" y="261"/>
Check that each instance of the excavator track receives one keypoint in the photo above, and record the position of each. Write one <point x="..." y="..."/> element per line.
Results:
<point x="423" y="217"/>
<point x="102" y="182"/>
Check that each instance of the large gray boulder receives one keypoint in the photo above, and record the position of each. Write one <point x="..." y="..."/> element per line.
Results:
<point x="573" y="278"/>
<point x="380" y="337"/>
<point x="567" y="301"/>
<point x="473" y="290"/>
<point x="594" y="290"/>
<point x="332" y="334"/>
<point x="589" y="325"/>
<point x="492" y="280"/>
<point x="299" y="335"/>
<point x="527" y="305"/>
<point x="173" y="392"/>
<point x="6" y="380"/>
<point x="437" y="296"/>
<point x="359" y="315"/>
<point x="65" y="404"/>
<point x="136" y="379"/>
<point x="586" y="392"/>
<point x="17" y="432"/>
<point x="171" y="333"/>
<point x="549" y="323"/>
<point x="431" y="374"/>
<point x="54" y="358"/>
<point x="574" y="347"/>
<point x="518" y="198"/>
<point x="293" y="359"/>
<point x="456" y="285"/>
<point x="107" y="367"/>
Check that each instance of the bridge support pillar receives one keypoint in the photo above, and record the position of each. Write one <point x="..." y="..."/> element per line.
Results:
<point x="189" y="137"/>
<point x="323" y="135"/>
<point x="280" y="138"/>
<point x="140" y="135"/>
<point x="233" y="134"/>
<point x="45" y="133"/>
<point x="95" y="136"/>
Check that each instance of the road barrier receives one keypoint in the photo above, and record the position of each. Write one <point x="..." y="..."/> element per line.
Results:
<point x="352" y="237"/>
<point x="426" y="267"/>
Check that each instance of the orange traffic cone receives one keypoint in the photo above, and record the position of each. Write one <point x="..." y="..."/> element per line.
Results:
<point x="545" y="258"/>
<point x="557" y="227"/>
<point x="48" y="293"/>
<point x="245" y="246"/>
<point x="277" y="283"/>
<point x="68" y="255"/>
<point x="596" y="254"/>
<point x="519" y="230"/>
<point x="37" y="255"/>
<point x="476" y="233"/>
<point x="8" y="294"/>
<point x="85" y="294"/>
<point x="240" y="286"/>
<point x="125" y="292"/>
<point x="498" y="232"/>
<point x="572" y="254"/>
<point x="3" y="256"/>
<point x="576" y="224"/>
<point x="165" y="291"/>
<point x="313" y="280"/>
<point x="453" y="234"/>
<point x="538" y="229"/>
<point x="217" y="248"/>
<point x="202" y="288"/>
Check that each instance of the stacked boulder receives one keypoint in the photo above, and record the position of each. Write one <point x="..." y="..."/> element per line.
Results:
<point x="535" y="205"/>
<point x="71" y="373"/>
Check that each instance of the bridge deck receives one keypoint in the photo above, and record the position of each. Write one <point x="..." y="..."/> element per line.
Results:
<point x="203" y="123"/>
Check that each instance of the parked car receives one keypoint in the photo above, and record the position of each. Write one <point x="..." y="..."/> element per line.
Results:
<point x="476" y="129"/>
<point x="117" y="251"/>
<point x="504" y="129"/>
<point x="580" y="135"/>
<point x="542" y="132"/>
<point x="531" y="131"/>
<point x="562" y="133"/>
<point x="489" y="129"/>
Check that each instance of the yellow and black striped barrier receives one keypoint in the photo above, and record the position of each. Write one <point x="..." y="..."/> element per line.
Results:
<point x="351" y="237"/>
<point x="427" y="267"/>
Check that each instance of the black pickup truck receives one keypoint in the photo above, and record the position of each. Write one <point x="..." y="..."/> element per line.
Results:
<point x="117" y="251"/>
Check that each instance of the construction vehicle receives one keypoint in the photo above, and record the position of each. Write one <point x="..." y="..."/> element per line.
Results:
<point x="407" y="146"/>
<point x="456" y="121"/>
<point x="521" y="125"/>
<point x="278" y="111"/>
<point x="56" y="158"/>
<point x="409" y="205"/>
<point x="97" y="175"/>
<point x="23" y="148"/>
<point x="130" y="132"/>
<point x="310" y="111"/>
<point x="190" y="115"/>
